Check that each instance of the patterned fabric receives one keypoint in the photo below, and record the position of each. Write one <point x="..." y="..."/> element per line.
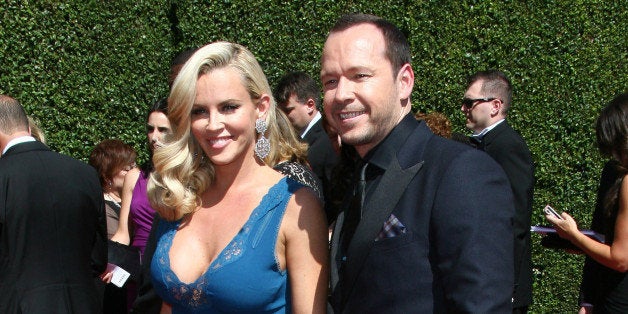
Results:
<point x="301" y="174"/>
<point x="392" y="228"/>
<point x="245" y="277"/>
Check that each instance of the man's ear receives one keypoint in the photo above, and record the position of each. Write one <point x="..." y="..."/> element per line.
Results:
<point x="496" y="107"/>
<point x="263" y="105"/>
<point x="311" y="106"/>
<point x="405" y="78"/>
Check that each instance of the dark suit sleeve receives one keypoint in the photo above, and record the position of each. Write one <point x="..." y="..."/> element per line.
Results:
<point x="99" y="251"/>
<point x="147" y="301"/>
<point x="471" y="236"/>
<point x="515" y="159"/>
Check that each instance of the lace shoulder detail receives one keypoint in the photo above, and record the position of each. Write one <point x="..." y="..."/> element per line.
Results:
<point x="301" y="174"/>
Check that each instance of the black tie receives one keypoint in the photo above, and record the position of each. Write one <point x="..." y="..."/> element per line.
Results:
<point x="353" y="213"/>
<point x="477" y="142"/>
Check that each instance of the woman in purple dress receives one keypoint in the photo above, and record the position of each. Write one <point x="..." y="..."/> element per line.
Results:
<point x="136" y="214"/>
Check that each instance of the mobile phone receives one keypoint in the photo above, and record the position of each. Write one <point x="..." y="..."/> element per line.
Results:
<point x="548" y="210"/>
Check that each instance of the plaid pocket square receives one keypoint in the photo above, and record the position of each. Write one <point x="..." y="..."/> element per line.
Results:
<point x="391" y="228"/>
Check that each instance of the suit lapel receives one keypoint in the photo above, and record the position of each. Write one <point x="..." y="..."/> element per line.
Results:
<point x="376" y="212"/>
<point x="492" y="134"/>
<point x="313" y="133"/>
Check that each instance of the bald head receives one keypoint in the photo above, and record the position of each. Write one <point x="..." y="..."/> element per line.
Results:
<point x="13" y="119"/>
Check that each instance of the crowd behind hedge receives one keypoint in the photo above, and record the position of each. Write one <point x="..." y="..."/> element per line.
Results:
<point x="89" y="70"/>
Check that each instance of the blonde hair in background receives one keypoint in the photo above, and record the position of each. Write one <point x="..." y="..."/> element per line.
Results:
<point x="36" y="131"/>
<point x="182" y="171"/>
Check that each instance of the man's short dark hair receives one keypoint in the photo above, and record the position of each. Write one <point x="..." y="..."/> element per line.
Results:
<point x="298" y="83"/>
<point x="397" y="46"/>
<point x="496" y="84"/>
<point x="12" y="116"/>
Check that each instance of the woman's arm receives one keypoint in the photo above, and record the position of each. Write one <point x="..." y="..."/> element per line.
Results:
<point x="614" y="256"/>
<point x="304" y="231"/>
<point x="122" y="234"/>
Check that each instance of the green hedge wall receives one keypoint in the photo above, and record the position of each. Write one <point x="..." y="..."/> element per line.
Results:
<point x="88" y="71"/>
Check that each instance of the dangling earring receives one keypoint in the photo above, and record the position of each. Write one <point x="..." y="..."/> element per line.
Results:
<point x="262" y="147"/>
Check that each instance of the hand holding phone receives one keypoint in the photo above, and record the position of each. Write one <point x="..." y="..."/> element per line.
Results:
<point x="548" y="210"/>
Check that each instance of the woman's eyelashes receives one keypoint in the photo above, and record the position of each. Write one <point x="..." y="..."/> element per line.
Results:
<point x="224" y="108"/>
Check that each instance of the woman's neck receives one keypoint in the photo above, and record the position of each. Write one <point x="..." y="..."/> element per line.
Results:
<point x="237" y="172"/>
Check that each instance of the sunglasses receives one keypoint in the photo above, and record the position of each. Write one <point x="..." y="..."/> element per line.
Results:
<point x="469" y="103"/>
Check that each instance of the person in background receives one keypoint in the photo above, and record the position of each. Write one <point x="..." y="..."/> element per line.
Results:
<point x="413" y="238"/>
<point x="239" y="236"/>
<point x="610" y="292"/>
<point x="290" y="157"/>
<point x="486" y="102"/>
<point x="136" y="213"/>
<point x="298" y="96"/>
<point x="177" y="63"/>
<point x="592" y="270"/>
<point x="332" y="133"/>
<point x="112" y="159"/>
<point x="36" y="131"/>
<point x="53" y="239"/>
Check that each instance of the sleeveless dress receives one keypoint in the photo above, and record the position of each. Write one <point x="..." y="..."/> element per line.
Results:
<point x="612" y="286"/>
<point x="301" y="174"/>
<point x="141" y="213"/>
<point x="245" y="277"/>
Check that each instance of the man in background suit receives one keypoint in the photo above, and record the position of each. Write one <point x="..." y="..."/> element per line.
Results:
<point x="53" y="238"/>
<point x="298" y="95"/>
<point x="434" y="233"/>
<point x="485" y="105"/>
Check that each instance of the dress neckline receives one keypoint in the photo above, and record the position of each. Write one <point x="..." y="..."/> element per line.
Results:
<point x="234" y="247"/>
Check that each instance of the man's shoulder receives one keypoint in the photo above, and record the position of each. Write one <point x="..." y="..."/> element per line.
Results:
<point x="27" y="152"/>
<point x="505" y="135"/>
<point x="437" y="150"/>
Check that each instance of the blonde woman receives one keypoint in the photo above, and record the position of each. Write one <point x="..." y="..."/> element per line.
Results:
<point x="239" y="236"/>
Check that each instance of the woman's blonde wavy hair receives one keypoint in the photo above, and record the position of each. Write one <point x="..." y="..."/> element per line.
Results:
<point x="182" y="171"/>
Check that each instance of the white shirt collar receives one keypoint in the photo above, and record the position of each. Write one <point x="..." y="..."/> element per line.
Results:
<point x="481" y="134"/>
<point x="18" y="140"/>
<point x="309" y="126"/>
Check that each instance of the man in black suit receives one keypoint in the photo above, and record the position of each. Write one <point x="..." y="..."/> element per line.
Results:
<point x="298" y="95"/>
<point x="485" y="105"/>
<point x="53" y="237"/>
<point x="433" y="233"/>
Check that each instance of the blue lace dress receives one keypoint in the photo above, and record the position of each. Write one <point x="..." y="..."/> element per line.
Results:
<point x="245" y="277"/>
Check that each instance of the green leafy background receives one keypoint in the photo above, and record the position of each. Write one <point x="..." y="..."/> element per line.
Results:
<point x="88" y="70"/>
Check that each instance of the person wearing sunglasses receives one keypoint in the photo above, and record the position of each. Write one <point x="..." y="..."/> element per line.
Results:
<point x="485" y="104"/>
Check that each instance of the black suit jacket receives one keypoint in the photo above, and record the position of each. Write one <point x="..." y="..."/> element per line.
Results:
<point x="322" y="159"/>
<point x="509" y="149"/>
<point x="320" y="153"/>
<point x="53" y="237"/>
<point x="455" y="254"/>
